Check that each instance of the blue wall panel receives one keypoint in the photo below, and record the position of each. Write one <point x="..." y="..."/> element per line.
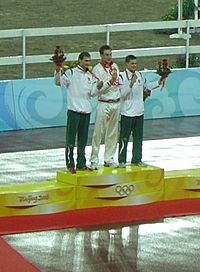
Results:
<point x="7" y="109"/>
<point x="37" y="103"/>
<point x="179" y="97"/>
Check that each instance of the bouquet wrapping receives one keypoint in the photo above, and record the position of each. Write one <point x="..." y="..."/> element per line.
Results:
<point x="58" y="56"/>
<point x="163" y="69"/>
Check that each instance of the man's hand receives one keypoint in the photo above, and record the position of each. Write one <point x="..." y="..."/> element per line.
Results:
<point x="114" y="75"/>
<point x="99" y="84"/>
<point x="133" y="80"/>
<point x="161" y="82"/>
<point x="57" y="75"/>
<point x="58" y="69"/>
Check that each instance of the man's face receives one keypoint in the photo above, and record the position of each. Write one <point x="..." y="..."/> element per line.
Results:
<point x="85" y="62"/>
<point x="132" y="65"/>
<point x="107" y="56"/>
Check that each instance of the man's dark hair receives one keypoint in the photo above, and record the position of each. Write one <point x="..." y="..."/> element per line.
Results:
<point x="129" y="58"/>
<point x="103" y="48"/>
<point x="84" y="54"/>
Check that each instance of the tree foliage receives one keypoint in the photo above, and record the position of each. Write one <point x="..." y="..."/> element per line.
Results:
<point x="188" y="11"/>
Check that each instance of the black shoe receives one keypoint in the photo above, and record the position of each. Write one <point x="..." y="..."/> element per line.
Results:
<point x="94" y="166"/>
<point x="71" y="170"/>
<point x="122" y="165"/>
<point x="111" y="164"/>
<point x="84" y="168"/>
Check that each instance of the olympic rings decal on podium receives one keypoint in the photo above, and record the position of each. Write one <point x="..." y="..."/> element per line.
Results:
<point x="124" y="190"/>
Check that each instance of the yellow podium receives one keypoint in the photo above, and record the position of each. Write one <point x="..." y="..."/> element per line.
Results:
<point x="36" y="198"/>
<point x="132" y="185"/>
<point x="182" y="184"/>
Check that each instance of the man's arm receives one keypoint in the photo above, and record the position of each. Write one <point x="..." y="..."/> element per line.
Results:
<point x="101" y="86"/>
<point x="154" y="84"/>
<point x="57" y="77"/>
<point x="61" y="79"/>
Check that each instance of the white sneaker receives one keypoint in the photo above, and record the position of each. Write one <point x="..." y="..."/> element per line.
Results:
<point x="94" y="166"/>
<point x="122" y="165"/>
<point x="111" y="164"/>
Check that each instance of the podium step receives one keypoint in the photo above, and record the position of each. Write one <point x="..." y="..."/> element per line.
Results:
<point x="107" y="187"/>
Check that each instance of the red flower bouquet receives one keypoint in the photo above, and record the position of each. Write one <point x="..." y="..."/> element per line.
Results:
<point x="146" y="94"/>
<point x="58" y="56"/>
<point x="163" y="69"/>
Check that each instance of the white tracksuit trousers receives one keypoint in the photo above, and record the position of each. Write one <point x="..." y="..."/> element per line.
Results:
<point x="107" y="122"/>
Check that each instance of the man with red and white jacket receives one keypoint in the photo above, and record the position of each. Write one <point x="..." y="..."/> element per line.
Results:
<point x="108" y="109"/>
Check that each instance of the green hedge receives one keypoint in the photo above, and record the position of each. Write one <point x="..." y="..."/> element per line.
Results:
<point x="188" y="11"/>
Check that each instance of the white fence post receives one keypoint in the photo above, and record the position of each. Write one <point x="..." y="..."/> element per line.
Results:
<point x="107" y="35"/>
<point x="23" y="54"/>
<point x="196" y="9"/>
<point x="180" y="13"/>
<point x="187" y="45"/>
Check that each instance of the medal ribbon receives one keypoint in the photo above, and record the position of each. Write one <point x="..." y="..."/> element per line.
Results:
<point x="87" y="71"/>
<point x="109" y="70"/>
<point x="127" y="76"/>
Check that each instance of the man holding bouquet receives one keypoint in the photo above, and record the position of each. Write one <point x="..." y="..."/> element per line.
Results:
<point x="81" y="85"/>
<point x="134" y="90"/>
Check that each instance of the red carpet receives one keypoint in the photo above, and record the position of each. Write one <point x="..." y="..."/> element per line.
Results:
<point x="99" y="216"/>
<point x="12" y="261"/>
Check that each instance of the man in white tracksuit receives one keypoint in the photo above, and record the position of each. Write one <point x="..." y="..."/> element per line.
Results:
<point x="108" y="109"/>
<point x="133" y="88"/>
<point x="81" y="85"/>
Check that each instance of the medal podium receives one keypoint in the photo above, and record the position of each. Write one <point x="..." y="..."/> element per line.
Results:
<point x="133" y="186"/>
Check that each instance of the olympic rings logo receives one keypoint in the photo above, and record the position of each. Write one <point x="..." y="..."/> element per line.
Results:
<point x="124" y="190"/>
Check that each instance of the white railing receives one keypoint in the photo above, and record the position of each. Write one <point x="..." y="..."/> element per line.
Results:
<point x="107" y="29"/>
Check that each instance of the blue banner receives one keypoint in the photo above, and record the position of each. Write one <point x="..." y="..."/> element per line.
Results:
<point x="37" y="103"/>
